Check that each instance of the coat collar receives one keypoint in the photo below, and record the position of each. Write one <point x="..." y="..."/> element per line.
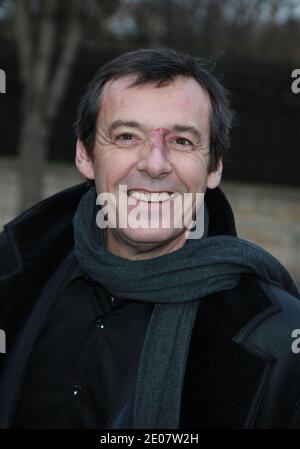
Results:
<point x="34" y="231"/>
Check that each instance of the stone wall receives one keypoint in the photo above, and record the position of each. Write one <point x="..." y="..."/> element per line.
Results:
<point x="269" y="216"/>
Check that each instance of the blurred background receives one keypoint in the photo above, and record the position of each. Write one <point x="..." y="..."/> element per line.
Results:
<point x="50" y="49"/>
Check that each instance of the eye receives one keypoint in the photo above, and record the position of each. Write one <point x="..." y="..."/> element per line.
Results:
<point x="125" y="136"/>
<point x="126" y="139"/>
<point x="182" y="141"/>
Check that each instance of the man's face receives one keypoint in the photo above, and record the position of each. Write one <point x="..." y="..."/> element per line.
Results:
<point x="152" y="139"/>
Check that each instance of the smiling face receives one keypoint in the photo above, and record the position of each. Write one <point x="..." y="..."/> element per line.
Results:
<point x="152" y="139"/>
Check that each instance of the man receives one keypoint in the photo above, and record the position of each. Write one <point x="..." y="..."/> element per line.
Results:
<point x="145" y="326"/>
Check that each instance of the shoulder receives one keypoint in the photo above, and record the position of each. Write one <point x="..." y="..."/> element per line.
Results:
<point x="8" y="260"/>
<point x="252" y="307"/>
<point x="275" y="329"/>
<point x="34" y="231"/>
<point x="286" y="300"/>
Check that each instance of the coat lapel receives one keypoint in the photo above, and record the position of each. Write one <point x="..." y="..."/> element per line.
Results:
<point x="225" y="376"/>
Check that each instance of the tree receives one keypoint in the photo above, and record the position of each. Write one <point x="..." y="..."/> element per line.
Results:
<point x="49" y="32"/>
<point x="44" y="67"/>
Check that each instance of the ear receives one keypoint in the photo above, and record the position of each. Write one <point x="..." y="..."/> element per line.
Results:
<point x="83" y="161"/>
<point x="214" y="177"/>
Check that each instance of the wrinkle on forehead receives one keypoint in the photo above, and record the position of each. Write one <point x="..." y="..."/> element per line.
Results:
<point x="184" y="98"/>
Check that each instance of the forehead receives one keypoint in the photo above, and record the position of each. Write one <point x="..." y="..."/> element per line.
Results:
<point x="182" y="99"/>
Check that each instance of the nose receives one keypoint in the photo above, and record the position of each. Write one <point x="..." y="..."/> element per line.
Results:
<point x="154" y="157"/>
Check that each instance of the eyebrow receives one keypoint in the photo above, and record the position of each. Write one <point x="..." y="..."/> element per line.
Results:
<point x="119" y="123"/>
<point x="178" y="128"/>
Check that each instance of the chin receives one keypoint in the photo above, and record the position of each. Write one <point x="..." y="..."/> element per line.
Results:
<point x="159" y="235"/>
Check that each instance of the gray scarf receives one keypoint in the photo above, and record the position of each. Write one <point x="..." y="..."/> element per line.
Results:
<point x="175" y="282"/>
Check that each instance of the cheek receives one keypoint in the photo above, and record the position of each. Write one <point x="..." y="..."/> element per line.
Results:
<point x="194" y="174"/>
<point x="110" y="169"/>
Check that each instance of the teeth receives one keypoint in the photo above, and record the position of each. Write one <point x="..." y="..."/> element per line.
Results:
<point x="153" y="197"/>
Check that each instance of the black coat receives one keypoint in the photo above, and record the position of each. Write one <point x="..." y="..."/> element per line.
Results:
<point x="241" y="371"/>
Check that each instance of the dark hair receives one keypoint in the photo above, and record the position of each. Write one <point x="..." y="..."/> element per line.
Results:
<point x="159" y="66"/>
